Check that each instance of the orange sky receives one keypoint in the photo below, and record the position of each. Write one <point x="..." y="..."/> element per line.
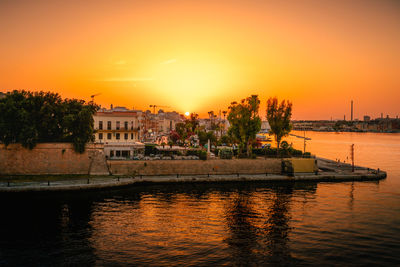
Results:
<point x="199" y="56"/>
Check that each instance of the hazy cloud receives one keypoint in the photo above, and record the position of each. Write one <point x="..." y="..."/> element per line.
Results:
<point x="129" y="79"/>
<point x="120" y="62"/>
<point x="169" y="61"/>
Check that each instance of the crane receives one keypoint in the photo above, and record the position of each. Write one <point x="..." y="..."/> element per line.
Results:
<point x="92" y="96"/>
<point x="157" y="106"/>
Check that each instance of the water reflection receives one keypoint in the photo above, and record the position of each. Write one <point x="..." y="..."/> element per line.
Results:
<point x="40" y="229"/>
<point x="189" y="224"/>
<point x="259" y="226"/>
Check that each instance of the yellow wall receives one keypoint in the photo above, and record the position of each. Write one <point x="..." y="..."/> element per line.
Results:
<point x="303" y="165"/>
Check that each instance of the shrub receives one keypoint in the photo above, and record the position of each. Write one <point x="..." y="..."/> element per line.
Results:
<point x="150" y="149"/>
<point x="202" y="154"/>
<point x="193" y="152"/>
<point x="295" y="152"/>
<point x="284" y="145"/>
<point x="225" y="153"/>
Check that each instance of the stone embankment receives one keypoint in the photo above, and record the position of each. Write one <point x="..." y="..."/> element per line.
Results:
<point x="52" y="159"/>
<point x="195" y="167"/>
<point x="330" y="171"/>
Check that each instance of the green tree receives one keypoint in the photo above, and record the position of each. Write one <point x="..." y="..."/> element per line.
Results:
<point x="225" y="139"/>
<point x="32" y="117"/>
<point x="188" y="127"/>
<point x="244" y="121"/>
<point x="204" y="136"/>
<point x="193" y="122"/>
<point x="182" y="129"/>
<point x="78" y="123"/>
<point x="278" y="116"/>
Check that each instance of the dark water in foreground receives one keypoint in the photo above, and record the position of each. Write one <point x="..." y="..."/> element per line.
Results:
<point x="254" y="224"/>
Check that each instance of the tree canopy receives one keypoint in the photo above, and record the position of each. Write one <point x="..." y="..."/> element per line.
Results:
<point x="186" y="129"/>
<point x="244" y="121"/>
<point x="32" y="117"/>
<point x="278" y="116"/>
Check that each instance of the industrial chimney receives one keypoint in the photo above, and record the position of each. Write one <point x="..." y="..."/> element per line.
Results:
<point x="351" y="110"/>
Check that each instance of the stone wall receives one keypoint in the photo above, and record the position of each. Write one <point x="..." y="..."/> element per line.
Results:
<point x="173" y="167"/>
<point x="52" y="158"/>
<point x="60" y="158"/>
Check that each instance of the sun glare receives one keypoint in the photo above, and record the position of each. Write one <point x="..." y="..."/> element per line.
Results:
<point x="187" y="113"/>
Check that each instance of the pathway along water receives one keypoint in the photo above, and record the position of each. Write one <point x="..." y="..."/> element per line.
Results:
<point x="351" y="223"/>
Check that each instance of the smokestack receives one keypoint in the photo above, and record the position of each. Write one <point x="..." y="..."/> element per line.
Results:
<point x="344" y="117"/>
<point x="381" y="115"/>
<point x="351" y="110"/>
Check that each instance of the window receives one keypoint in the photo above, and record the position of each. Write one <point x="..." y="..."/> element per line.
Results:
<point x="108" y="125"/>
<point x="132" y="136"/>
<point x="117" y="136"/>
<point x="109" y="136"/>
<point x="111" y="153"/>
<point x="126" y="125"/>
<point x="100" y="136"/>
<point x="131" y="125"/>
<point x="100" y="125"/>
<point x="117" y="127"/>
<point x="126" y="136"/>
<point x="118" y="153"/>
<point x="125" y="154"/>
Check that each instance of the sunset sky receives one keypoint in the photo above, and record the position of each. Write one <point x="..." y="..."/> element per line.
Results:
<point x="199" y="56"/>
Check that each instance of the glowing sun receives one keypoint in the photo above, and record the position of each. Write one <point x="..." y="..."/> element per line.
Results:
<point x="187" y="113"/>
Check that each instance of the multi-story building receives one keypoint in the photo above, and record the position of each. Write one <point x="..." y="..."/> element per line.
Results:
<point x="117" y="125"/>
<point x="122" y="130"/>
<point x="119" y="129"/>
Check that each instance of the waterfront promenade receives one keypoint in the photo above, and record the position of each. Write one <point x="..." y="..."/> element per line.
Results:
<point x="329" y="171"/>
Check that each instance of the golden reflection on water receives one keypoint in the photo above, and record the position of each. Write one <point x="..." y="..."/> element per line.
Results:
<point x="248" y="223"/>
<point x="216" y="224"/>
<point x="244" y="225"/>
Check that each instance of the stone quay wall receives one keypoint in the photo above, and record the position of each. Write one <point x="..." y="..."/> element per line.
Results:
<point x="195" y="167"/>
<point x="52" y="159"/>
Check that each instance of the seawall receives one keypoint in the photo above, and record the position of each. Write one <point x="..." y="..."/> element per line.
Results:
<point x="52" y="159"/>
<point x="195" y="167"/>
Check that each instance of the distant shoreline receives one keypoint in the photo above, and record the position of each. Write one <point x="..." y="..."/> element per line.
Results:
<point x="326" y="131"/>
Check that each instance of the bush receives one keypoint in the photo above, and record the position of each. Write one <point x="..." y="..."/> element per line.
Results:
<point x="202" y="154"/>
<point x="225" y="153"/>
<point x="150" y="149"/>
<point x="295" y="152"/>
<point x="284" y="145"/>
<point x="307" y="155"/>
<point x="193" y="152"/>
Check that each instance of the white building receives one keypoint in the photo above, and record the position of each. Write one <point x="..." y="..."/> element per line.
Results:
<point x="122" y="130"/>
<point x="119" y="129"/>
<point x="265" y="127"/>
<point x="118" y="125"/>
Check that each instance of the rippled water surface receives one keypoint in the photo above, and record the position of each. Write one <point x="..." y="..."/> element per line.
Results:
<point x="350" y="223"/>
